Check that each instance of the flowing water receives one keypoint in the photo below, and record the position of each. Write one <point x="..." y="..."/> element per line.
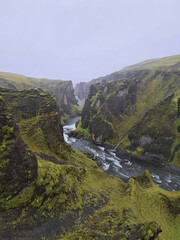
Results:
<point x="123" y="168"/>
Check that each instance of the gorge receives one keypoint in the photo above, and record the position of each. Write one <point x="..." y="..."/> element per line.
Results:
<point x="52" y="189"/>
<point x="121" y="165"/>
<point x="139" y="104"/>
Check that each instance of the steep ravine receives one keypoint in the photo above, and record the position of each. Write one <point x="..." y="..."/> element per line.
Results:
<point x="58" y="193"/>
<point x="51" y="191"/>
<point x="122" y="165"/>
<point x="62" y="91"/>
<point x="139" y="104"/>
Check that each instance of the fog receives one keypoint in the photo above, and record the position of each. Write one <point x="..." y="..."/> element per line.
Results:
<point x="80" y="40"/>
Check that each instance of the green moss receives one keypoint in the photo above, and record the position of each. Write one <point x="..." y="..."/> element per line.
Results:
<point x="93" y="99"/>
<point x="138" y="151"/>
<point x="80" y="132"/>
<point x="60" y="187"/>
<point x="148" y="230"/>
<point x="33" y="136"/>
<point x="20" y="200"/>
<point x="176" y="160"/>
<point x="76" y="110"/>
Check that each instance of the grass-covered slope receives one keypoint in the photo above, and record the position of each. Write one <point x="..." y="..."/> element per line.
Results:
<point x="62" y="91"/>
<point x="82" y="89"/>
<point x="51" y="191"/>
<point x="140" y="107"/>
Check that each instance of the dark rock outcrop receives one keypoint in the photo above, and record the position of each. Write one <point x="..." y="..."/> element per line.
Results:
<point x="104" y="104"/>
<point x="18" y="165"/>
<point x="155" y="133"/>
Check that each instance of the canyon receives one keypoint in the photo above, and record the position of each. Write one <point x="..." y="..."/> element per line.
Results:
<point x="50" y="190"/>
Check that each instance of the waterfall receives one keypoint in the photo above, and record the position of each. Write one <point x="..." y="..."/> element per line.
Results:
<point x="118" y="143"/>
<point x="123" y="138"/>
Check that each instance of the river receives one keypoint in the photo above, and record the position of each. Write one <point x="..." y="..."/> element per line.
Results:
<point x="109" y="162"/>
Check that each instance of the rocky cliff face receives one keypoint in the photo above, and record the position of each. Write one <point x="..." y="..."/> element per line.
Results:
<point x="82" y="89"/>
<point x="62" y="91"/>
<point x="139" y="70"/>
<point x="105" y="103"/>
<point x="64" y="94"/>
<point x="18" y="164"/>
<point x="140" y="110"/>
<point x="38" y="118"/>
<point x="156" y="132"/>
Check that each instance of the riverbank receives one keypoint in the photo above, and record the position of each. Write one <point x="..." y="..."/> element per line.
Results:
<point x="148" y="158"/>
<point x="122" y="164"/>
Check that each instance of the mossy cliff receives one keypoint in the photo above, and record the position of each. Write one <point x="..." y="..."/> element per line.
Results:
<point x="156" y="133"/>
<point x="138" y="70"/>
<point x="140" y="107"/>
<point x="18" y="165"/>
<point x="37" y="115"/>
<point x="52" y="192"/>
<point x="62" y="91"/>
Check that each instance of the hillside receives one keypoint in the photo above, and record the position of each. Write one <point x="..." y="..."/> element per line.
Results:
<point x="50" y="191"/>
<point x="138" y="107"/>
<point x="62" y="91"/>
<point x="82" y="89"/>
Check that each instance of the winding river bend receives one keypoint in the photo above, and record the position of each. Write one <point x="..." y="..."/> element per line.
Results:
<point x="109" y="162"/>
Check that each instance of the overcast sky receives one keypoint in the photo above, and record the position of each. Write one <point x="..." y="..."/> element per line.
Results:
<point x="84" y="39"/>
